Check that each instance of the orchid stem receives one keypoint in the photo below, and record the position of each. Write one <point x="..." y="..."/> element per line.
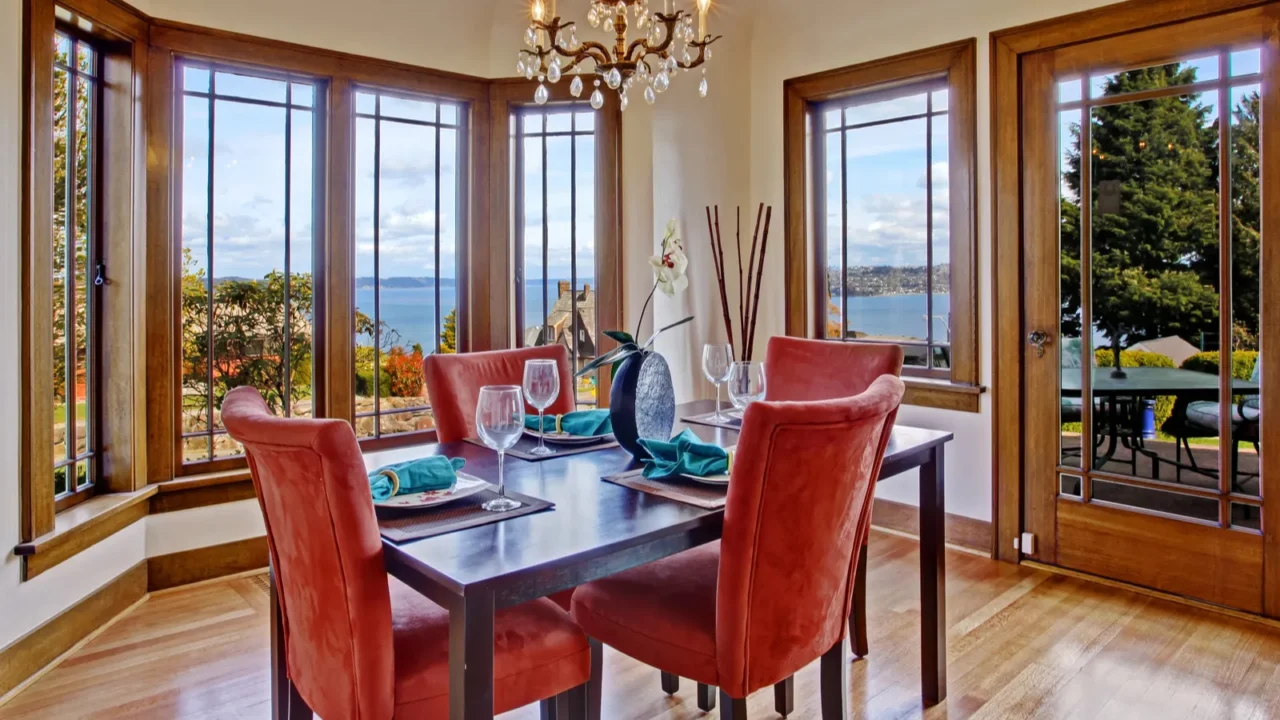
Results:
<point x="644" y="310"/>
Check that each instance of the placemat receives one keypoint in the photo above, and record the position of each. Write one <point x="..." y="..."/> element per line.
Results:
<point x="403" y="525"/>
<point x="685" y="491"/>
<point x="523" y="448"/>
<point x="733" y="423"/>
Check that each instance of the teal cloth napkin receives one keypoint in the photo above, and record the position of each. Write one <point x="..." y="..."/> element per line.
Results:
<point x="684" y="455"/>
<point x="422" y="475"/>
<point x="584" y="423"/>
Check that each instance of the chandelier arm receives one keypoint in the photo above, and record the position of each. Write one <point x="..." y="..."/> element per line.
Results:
<point x="702" y="52"/>
<point x="662" y="47"/>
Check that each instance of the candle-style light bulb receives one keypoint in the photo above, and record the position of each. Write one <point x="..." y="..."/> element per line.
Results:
<point x="537" y="11"/>
<point x="703" y="5"/>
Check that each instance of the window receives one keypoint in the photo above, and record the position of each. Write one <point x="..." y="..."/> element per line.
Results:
<point x="248" y="152"/>
<point x="408" y="220"/>
<point x="882" y="221"/>
<point x="555" y="249"/>
<point x="880" y="164"/>
<point x="77" y="266"/>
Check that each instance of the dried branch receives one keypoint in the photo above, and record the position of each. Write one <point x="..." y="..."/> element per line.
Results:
<point x="755" y="303"/>
<point x="717" y="258"/>
<point x="742" y="305"/>
<point x="751" y="282"/>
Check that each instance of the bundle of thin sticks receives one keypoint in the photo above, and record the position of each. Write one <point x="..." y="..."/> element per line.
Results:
<point x="748" y="287"/>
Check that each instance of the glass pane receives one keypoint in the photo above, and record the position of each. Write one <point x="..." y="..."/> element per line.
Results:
<point x="366" y="276"/>
<point x="249" y="87"/>
<point x="1069" y="325"/>
<point x="1154" y="265"/>
<point x="394" y="107"/>
<point x="62" y="50"/>
<point x="586" y="334"/>
<point x="886" y="109"/>
<point x="449" y="218"/>
<point x="560" y="122"/>
<point x="195" y="272"/>
<point x="195" y="79"/>
<point x="301" y="316"/>
<point x="558" y="318"/>
<point x="61" y="479"/>
<point x="1069" y="485"/>
<point x="1246" y="62"/>
<point x="77" y="418"/>
<point x="1158" y="500"/>
<point x="941" y="99"/>
<point x="941" y="212"/>
<point x="1171" y="75"/>
<point x="195" y="449"/>
<point x="448" y="114"/>
<point x="403" y="422"/>
<point x="63" y="415"/>
<point x="1069" y="91"/>
<point x="585" y="122"/>
<point x="1246" y="516"/>
<point x="537" y="301"/>
<point x="1246" y="289"/>
<point x="532" y="123"/>
<point x="888" y="233"/>
<point x="366" y="103"/>
<point x="837" y="278"/>
<point x="303" y="94"/>
<point x="224" y="447"/>
<point x="85" y="59"/>
<point x="832" y="119"/>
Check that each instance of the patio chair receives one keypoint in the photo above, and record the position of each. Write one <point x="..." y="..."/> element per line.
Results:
<point x="1201" y="419"/>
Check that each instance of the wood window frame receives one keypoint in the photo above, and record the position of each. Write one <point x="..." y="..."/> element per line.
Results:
<point x="120" y="35"/>
<point x="333" y="261"/>
<point x="506" y="97"/>
<point x="1009" y="48"/>
<point x="805" y="298"/>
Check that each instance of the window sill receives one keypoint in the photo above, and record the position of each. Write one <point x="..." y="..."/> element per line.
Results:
<point x="198" y="491"/>
<point x="942" y="394"/>
<point x="79" y="528"/>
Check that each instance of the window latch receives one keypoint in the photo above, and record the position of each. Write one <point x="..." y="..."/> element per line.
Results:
<point x="100" y="275"/>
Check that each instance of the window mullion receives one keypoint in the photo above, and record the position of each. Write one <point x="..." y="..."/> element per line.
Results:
<point x="377" y="271"/>
<point x="928" y="211"/>
<point x="209" y="332"/>
<point x="286" y="351"/>
<point x="71" y="145"/>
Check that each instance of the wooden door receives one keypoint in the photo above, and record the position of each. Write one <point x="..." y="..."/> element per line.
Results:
<point x="1147" y="187"/>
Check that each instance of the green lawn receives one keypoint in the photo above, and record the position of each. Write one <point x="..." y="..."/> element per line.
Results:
<point x="60" y="412"/>
<point x="1076" y="428"/>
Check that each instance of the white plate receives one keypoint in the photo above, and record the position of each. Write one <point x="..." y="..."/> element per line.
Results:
<point x="466" y="486"/>
<point x="567" y="439"/>
<point x="720" y="480"/>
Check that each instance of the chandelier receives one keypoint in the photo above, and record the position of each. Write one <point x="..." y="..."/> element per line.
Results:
<point x="669" y="44"/>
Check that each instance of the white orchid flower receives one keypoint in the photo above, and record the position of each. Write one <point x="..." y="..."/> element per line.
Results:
<point x="670" y="267"/>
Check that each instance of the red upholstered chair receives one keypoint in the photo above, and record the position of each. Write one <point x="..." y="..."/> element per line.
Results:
<point x="454" y="382"/>
<point x="775" y="595"/>
<point x="800" y="369"/>
<point x="351" y="643"/>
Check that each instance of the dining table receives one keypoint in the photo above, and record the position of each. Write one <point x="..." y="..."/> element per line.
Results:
<point x="598" y="528"/>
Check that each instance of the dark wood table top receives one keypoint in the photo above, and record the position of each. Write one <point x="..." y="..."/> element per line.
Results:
<point x="591" y="516"/>
<point x="1148" y="381"/>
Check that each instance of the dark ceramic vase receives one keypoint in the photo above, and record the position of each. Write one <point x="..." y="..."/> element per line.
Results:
<point x="642" y="403"/>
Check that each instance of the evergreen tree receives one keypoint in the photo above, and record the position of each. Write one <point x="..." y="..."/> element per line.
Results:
<point x="449" y="336"/>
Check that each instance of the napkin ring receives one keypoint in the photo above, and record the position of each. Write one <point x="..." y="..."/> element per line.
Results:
<point x="395" y="481"/>
<point x="559" y="421"/>
<point x="729" y="471"/>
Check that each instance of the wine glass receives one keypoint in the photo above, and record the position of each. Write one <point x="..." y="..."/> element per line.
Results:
<point x="541" y="387"/>
<point x="746" y="384"/>
<point x="500" y="421"/>
<point x="717" y="361"/>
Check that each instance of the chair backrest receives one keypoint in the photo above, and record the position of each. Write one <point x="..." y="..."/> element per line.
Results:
<point x="801" y="490"/>
<point x="800" y="370"/>
<point x="326" y="555"/>
<point x="454" y="382"/>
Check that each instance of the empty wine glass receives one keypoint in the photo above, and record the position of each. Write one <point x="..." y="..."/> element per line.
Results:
<point x="717" y="361"/>
<point x="500" y="421"/>
<point x="746" y="384"/>
<point x="541" y="387"/>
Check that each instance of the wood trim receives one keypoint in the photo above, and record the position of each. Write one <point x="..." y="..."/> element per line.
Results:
<point x="45" y="644"/>
<point x="957" y="62"/>
<point x="198" y="496"/>
<point x="943" y="395"/>
<point x="1183" y="558"/>
<point x="335" y="271"/>
<point x="162" y="268"/>
<point x="206" y="563"/>
<point x="127" y="22"/>
<point x="1270" y="319"/>
<point x="82" y="527"/>
<point x="963" y="531"/>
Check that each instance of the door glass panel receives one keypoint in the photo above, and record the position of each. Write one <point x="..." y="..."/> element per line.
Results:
<point x="1246" y="290"/>
<point x="1194" y="70"/>
<point x="1154" y="278"/>
<point x="1070" y="349"/>
<point x="1170" y="503"/>
<point x="1246" y="516"/>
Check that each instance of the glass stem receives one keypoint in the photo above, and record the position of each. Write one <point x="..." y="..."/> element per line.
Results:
<point x="502" y="483"/>
<point x="542" y="431"/>
<point x="718" y="400"/>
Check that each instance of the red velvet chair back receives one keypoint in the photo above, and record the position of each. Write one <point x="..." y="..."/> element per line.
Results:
<point x="800" y="369"/>
<point x="454" y="382"/>
<point x="326" y="554"/>
<point x="802" y="486"/>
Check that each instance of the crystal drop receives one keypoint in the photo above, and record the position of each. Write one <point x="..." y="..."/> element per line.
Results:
<point x="642" y="69"/>
<point x="621" y="6"/>
<point x="597" y="99"/>
<point x="528" y="70"/>
<point x="573" y="39"/>
<point x="607" y="25"/>
<point x="671" y="65"/>
<point x="687" y="59"/>
<point x="541" y="95"/>
<point x="593" y="17"/>
<point x="650" y="96"/>
<point x="622" y="104"/>
<point x="613" y="78"/>
<point x="520" y="66"/>
<point x="641" y="21"/>
<point x="575" y="87"/>
<point x="530" y="37"/>
<point x="708" y="53"/>
<point x="553" y="72"/>
<point x="702" y="87"/>
<point x="662" y="82"/>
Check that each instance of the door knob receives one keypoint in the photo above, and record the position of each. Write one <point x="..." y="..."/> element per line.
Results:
<point x="1038" y="339"/>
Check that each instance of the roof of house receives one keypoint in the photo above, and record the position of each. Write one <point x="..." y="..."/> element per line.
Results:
<point x="1173" y="347"/>
<point x="559" y="321"/>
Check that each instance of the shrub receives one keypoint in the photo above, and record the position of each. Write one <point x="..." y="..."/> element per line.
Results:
<point x="1140" y="358"/>
<point x="403" y="371"/>
<point x="1242" y="363"/>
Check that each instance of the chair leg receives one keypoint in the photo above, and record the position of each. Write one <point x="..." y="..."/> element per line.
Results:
<point x="835" y="683"/>
<point x="549" y="708"/>
<point x="732" y="708"/>
<point x="858" y="615"/>
<point x="670" y="683"/>
<point x="784" y="696"/>
<point x="706" y="697"/>
<point x="298" y="708"/>
<point x="594" y="697"/>
<point x="571" y="704"/>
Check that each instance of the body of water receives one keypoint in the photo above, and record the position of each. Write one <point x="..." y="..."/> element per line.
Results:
<point x="898" y="316"/>
<point x="412" y="311"/>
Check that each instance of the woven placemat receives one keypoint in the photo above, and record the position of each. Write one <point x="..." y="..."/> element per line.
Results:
<point x="686" y="491"/>
<point x="523" y="448"/>
<point x="733" y="423"/>
<point x="404" y="525"/>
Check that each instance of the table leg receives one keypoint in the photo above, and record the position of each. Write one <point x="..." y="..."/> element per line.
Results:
<point x="858" y="614"/>
<point x="279" y="670"/>
<point x="933" y="579"/>
<point x="471" y="658"/>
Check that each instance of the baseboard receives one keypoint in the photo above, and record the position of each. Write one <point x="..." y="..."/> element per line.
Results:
<point x="206" y="563"/>
<point x="39" y="648"/>
<point x="966" y="532"/>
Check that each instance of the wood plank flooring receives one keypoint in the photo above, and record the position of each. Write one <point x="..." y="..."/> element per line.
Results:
<point x="1023" y="643"/>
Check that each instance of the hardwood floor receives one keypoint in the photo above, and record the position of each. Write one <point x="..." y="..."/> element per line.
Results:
<point x="1023" y="643"/>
